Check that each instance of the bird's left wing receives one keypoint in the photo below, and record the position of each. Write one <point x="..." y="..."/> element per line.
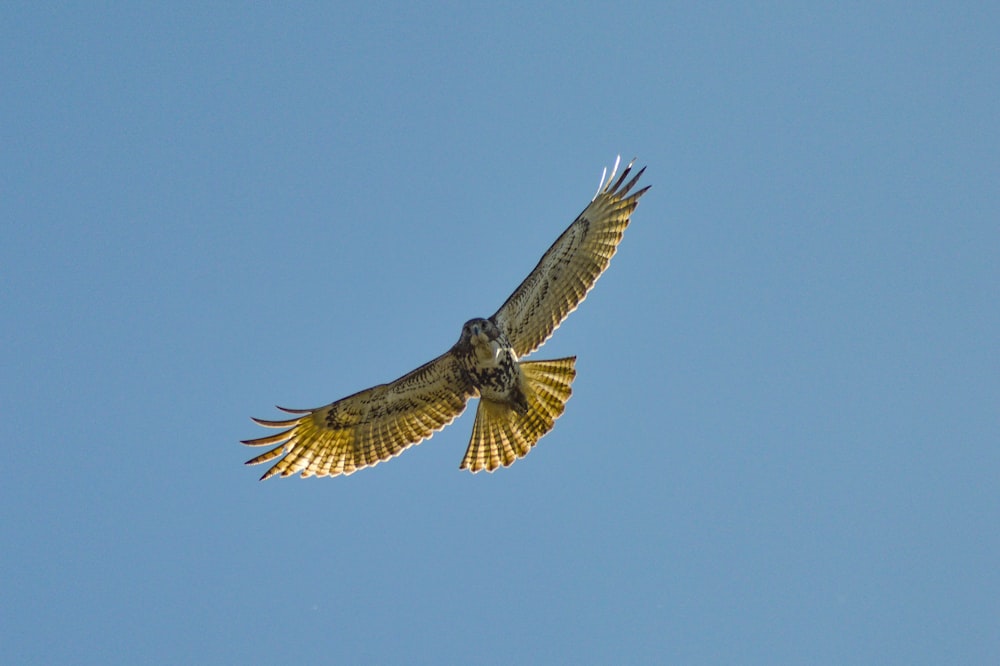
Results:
<point x="367" y="427"/>
<point x="569" y="269"/>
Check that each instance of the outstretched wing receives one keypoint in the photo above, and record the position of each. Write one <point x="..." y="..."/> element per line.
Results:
<point x="569" y="269"/>
<point x="367" y="427"/>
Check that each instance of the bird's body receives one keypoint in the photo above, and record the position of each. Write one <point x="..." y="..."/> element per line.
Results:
<point x="519" y="400"/>
<point x="490" y="363"/>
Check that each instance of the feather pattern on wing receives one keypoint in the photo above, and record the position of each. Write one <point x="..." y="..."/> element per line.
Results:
<point x="367" y="427"/>
<point x="569" y="269"/>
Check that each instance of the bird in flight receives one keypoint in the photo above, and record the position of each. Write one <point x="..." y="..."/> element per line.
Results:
<point x="519" y="400"/>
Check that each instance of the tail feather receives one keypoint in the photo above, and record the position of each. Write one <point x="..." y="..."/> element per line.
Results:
<point x="500" y="435"/>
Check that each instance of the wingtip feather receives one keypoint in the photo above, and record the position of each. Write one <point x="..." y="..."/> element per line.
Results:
<point x="606" y="180"/>
<point x="270" y="439"/>
<point x="274" y="424"/>
<point x="613" y="187"/>
<point x="295" y="411"/>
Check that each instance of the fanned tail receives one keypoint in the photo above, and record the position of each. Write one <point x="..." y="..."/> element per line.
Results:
<point x="500" y="435"/>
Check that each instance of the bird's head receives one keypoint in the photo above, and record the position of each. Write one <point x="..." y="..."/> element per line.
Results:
<point x="479" y="332"/>
<point x="482" y="336"/>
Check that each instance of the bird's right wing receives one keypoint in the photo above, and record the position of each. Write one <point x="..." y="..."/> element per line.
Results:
<point x="367" y="427"/>
<point x="569" y="269"/>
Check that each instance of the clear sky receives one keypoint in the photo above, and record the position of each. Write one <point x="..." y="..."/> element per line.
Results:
<point x="783" y="445"/>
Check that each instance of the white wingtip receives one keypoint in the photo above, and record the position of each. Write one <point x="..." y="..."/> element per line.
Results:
<point x="605" y="179"/>
<point x="600" y="185"/>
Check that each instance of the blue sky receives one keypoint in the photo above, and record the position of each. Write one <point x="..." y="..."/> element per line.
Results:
<point x="782" y="445"/>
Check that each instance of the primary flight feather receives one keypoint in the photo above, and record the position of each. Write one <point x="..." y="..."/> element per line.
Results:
<point x="519" y="400"/>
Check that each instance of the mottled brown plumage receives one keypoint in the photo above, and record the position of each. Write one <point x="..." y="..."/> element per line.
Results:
<point x="519" y="401"/>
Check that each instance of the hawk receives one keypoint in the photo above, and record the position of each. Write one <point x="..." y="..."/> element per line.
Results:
<point x="519" y="400"/>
